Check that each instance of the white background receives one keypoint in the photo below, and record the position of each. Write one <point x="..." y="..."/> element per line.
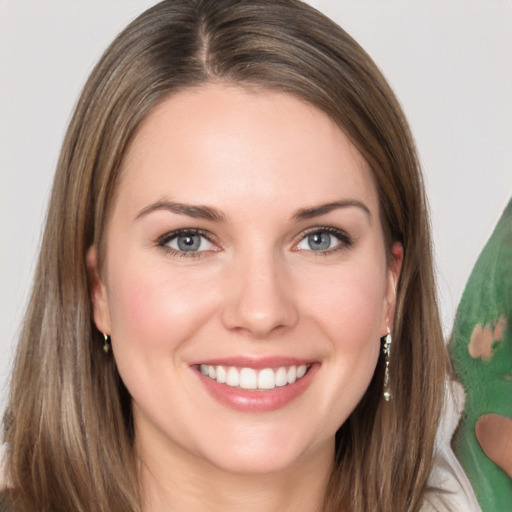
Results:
<point x="449" y="61"/>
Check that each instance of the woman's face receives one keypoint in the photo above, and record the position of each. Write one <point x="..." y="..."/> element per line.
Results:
<point x="245" y="283"/>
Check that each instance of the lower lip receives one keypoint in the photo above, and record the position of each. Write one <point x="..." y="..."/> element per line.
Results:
<point x="258" y="401"/>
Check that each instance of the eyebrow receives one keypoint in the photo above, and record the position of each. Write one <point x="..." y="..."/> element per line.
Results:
<point x="323" y="209"/>
<point x="212" y="214"/>
<point x="195" y="211"/>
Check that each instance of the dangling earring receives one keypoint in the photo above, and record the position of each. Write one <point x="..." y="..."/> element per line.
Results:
<point x="106" y="343"/>
<point x="386" y="350"/>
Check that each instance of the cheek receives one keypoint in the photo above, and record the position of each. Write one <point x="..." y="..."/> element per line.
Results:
<point x="153" y="307"/>
<point x="344" y="308"/>
<point x="349" y="303"/>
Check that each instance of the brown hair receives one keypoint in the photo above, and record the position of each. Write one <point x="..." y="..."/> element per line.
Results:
<point x="68" y="426"/>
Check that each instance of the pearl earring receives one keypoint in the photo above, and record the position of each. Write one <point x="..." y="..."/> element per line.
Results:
<point x="386" y="349"/>
<point x="106" y="343"/>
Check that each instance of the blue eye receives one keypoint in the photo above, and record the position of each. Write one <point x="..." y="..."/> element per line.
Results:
<point x="324" y="240"/>
<point x="319" y="241"/>
<point x="186" y="242"/>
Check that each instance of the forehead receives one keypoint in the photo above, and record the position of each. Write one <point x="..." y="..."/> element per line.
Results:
<point x="215" y="142"/>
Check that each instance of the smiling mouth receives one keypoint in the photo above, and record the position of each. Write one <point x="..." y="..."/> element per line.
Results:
<point x="250" y="379"/>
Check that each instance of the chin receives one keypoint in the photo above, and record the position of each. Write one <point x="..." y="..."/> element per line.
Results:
<point x="253" y="464"/>
<point x="258" y="456"/>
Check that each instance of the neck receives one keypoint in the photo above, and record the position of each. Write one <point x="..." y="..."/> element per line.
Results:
<point x="179" y="485"/>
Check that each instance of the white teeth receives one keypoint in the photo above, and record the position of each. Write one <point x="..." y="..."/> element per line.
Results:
<point x="248" y="378"/>
<point x="281" y="377"/>
<point x="251" y="379"/>
<point x="267" y="379"/>
<point x="221" y="374"/>
<point x="233" y="377"/>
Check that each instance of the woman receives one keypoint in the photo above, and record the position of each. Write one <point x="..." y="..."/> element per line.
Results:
<point x="234" y="303"/>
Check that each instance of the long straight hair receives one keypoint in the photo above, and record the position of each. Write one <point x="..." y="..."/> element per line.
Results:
<point x="68" y="426"/>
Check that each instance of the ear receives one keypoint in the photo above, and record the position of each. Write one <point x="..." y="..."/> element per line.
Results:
<point x="99" y="298"/>
<point x="394" y="269"/>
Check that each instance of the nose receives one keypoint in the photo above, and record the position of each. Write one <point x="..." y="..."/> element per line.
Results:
<point x="259" y="298"/>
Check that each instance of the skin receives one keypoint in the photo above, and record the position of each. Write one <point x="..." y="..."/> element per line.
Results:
<point x="494" y="433"/>
<point x="257" y="289"/>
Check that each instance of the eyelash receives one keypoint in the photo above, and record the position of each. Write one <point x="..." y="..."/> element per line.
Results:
<point x="169" y="237"/>
<point x="345" y="241"/>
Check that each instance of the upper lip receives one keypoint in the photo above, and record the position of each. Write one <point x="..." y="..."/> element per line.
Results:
<point x="257" y="363"/>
